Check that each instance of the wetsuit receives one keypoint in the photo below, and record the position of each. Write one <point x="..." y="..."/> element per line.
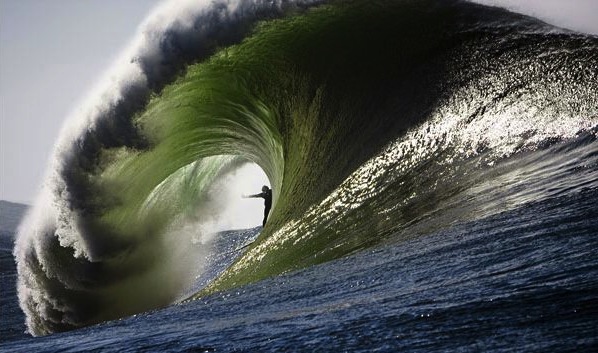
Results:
<point x="267" y="196"/>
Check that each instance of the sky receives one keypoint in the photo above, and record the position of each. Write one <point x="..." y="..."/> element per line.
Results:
<point x="53" y="52"/>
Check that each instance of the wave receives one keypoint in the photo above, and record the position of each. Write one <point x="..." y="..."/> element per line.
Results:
<point x="373" y="120"/>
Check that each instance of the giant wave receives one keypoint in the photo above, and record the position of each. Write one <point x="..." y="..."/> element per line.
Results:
<point x="374" y="121"/>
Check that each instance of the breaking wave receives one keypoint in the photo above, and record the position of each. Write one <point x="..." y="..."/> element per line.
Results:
<point x="373" y="120"/>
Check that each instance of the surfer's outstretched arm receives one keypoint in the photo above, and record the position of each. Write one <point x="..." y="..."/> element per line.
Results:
<point x="254" y="196"/>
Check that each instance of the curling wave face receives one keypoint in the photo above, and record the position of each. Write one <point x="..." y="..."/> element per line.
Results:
<point x="373" y="120"/>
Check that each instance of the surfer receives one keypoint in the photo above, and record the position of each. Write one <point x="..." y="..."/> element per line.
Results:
<point x="266" y="194"/>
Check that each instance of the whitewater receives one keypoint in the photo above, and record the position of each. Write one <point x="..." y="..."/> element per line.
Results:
<point x="434" y="168"/>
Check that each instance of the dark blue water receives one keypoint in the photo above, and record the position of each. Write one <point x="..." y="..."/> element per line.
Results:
<point x="521" y="281"/>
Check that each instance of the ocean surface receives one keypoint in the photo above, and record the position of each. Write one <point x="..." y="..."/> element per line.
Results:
<point x="525" y="280"/>
<point x="434" y="167"/>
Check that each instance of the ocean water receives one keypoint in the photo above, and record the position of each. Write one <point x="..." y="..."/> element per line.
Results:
<point x="434" y="167"/>
<point x="523" y="280"/>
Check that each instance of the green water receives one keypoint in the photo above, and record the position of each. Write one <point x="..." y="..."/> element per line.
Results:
<point x="288" y="98"/>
